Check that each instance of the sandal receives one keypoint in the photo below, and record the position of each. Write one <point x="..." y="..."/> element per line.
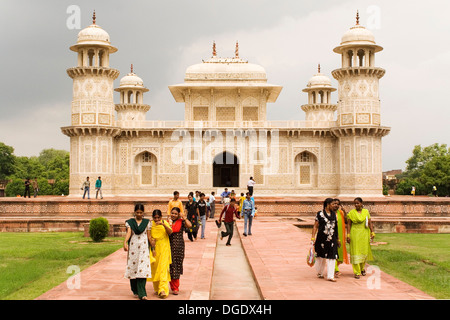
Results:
<point x="332" y="280"/>
<point x="320" y="276"/>
<point x="357" y="276"/>
<point x="363" y="273"/>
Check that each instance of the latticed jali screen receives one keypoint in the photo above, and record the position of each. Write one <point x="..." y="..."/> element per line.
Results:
<point x="147" y="175"/>
<point x="193" y="174"/>
<point x="225" y="114"/>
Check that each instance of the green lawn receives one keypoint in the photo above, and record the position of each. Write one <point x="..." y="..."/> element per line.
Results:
<point x="422" y="260"/>
<point x="33" y="263"/>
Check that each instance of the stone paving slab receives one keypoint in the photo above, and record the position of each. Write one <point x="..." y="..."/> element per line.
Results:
<point x="277" y="255"/>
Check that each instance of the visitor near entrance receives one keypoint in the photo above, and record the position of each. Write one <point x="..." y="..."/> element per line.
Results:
<point x="326" y="242"/>
<point x="136" y="244"/>
<point x="359" y="234"/>
<point x="225" y="196"/>
<point x="229" y="212"/>
<point x="250" y="184"/>
<point x="201" y="204"/>
<point x="212" y="204"/>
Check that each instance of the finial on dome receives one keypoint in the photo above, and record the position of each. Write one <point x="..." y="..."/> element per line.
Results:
<point x="214" y="49"/>
<point x="236" y="51"/>
<point x="93" y="18"/>
<point x="131" y="68"/>
<point x="318" y="68"/>
<point x="357" y="17"/>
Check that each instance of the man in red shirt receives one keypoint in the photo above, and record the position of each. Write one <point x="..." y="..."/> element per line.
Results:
<point x="230" y="211"/>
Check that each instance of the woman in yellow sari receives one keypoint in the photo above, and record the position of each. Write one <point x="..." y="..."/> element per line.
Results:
<point x="341" y="222"/>
<point x="359" y="234"/>
<point x="161" y="257"/>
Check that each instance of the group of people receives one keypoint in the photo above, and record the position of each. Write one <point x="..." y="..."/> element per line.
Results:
<point x="155" y="251"/>
<point x="86" y="187"/>
<point x="334" y="227"/>
<point x="28" y="184"/>
<point x="156" y="247"/>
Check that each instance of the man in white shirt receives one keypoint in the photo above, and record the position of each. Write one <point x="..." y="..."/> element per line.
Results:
<point x="250" y="185"/>
<point x="212" y="204"/>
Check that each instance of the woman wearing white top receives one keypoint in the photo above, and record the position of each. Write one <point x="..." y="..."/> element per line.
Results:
<point x="250" y="185"/>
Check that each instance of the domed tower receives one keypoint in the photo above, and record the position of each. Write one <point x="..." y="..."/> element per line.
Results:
<point x="359" y="129"/>
<point x="93" y="116"/>
<point x="319" y="110"/>
<point x="131" y="106"/>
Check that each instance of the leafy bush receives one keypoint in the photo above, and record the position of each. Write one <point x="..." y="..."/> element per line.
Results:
<point x="15" y="187"/>
<point x="98" y="229"/>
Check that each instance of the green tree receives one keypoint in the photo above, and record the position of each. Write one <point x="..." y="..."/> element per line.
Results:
<point x="427" y="167"/>
<point x="7" y="161"/>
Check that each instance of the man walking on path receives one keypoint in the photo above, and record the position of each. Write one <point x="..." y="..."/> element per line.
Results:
<point x="98" y="187"/>
<point x="175" y="202"/>
<point x="202" y="213"/>
<point x="86" y="187"/>
<point x="230" y="212"/>
<point x="248" y="211"/>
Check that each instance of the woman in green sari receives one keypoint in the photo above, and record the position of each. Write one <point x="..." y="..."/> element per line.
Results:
<point x="359" y="234"/>
<point x="136" y="244"/>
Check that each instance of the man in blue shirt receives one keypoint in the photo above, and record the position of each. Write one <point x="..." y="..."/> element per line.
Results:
<point x="248" y="211"/>
<point x="225" y="194"/>
<point x="98" y="187"/>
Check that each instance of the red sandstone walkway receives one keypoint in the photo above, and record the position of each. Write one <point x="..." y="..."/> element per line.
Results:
<point x="276" y="252"/>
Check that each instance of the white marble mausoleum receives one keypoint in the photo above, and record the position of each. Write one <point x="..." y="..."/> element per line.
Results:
<point x="225" y="137"/>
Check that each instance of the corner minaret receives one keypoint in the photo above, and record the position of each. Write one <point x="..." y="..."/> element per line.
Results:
<point x="359" y="129"/>
<point x="319" y="110"/>
<point x="93" y="114"/>
<point x="131" y="108"/>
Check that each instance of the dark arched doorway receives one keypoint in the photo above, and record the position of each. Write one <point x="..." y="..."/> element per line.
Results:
<point x="225" y="170"/>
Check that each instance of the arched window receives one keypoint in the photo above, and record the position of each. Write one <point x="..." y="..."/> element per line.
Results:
<point x="130" y="97"/>
<point x="91" y="54"/>
<point x="306" y="168"/>
<point x="361" y="57"/>
<point x="100" y="58"/>
<point x="350" y="58"/>
<point x="146" y="166"/>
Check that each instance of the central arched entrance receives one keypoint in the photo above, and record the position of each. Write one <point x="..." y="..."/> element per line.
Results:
<point x="225" y="170"/>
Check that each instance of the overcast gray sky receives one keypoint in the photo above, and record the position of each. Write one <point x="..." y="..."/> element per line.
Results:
<point x="287" y="37"/>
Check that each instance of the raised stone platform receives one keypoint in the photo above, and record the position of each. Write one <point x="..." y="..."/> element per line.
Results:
<point x="57" y="213"/>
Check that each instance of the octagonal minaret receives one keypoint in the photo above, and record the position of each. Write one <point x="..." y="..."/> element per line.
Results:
<point x="319" y="110"/>
<point x="92" y="127"/>
<point x="131" y="108"/>
<point x="359" y="129"/>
